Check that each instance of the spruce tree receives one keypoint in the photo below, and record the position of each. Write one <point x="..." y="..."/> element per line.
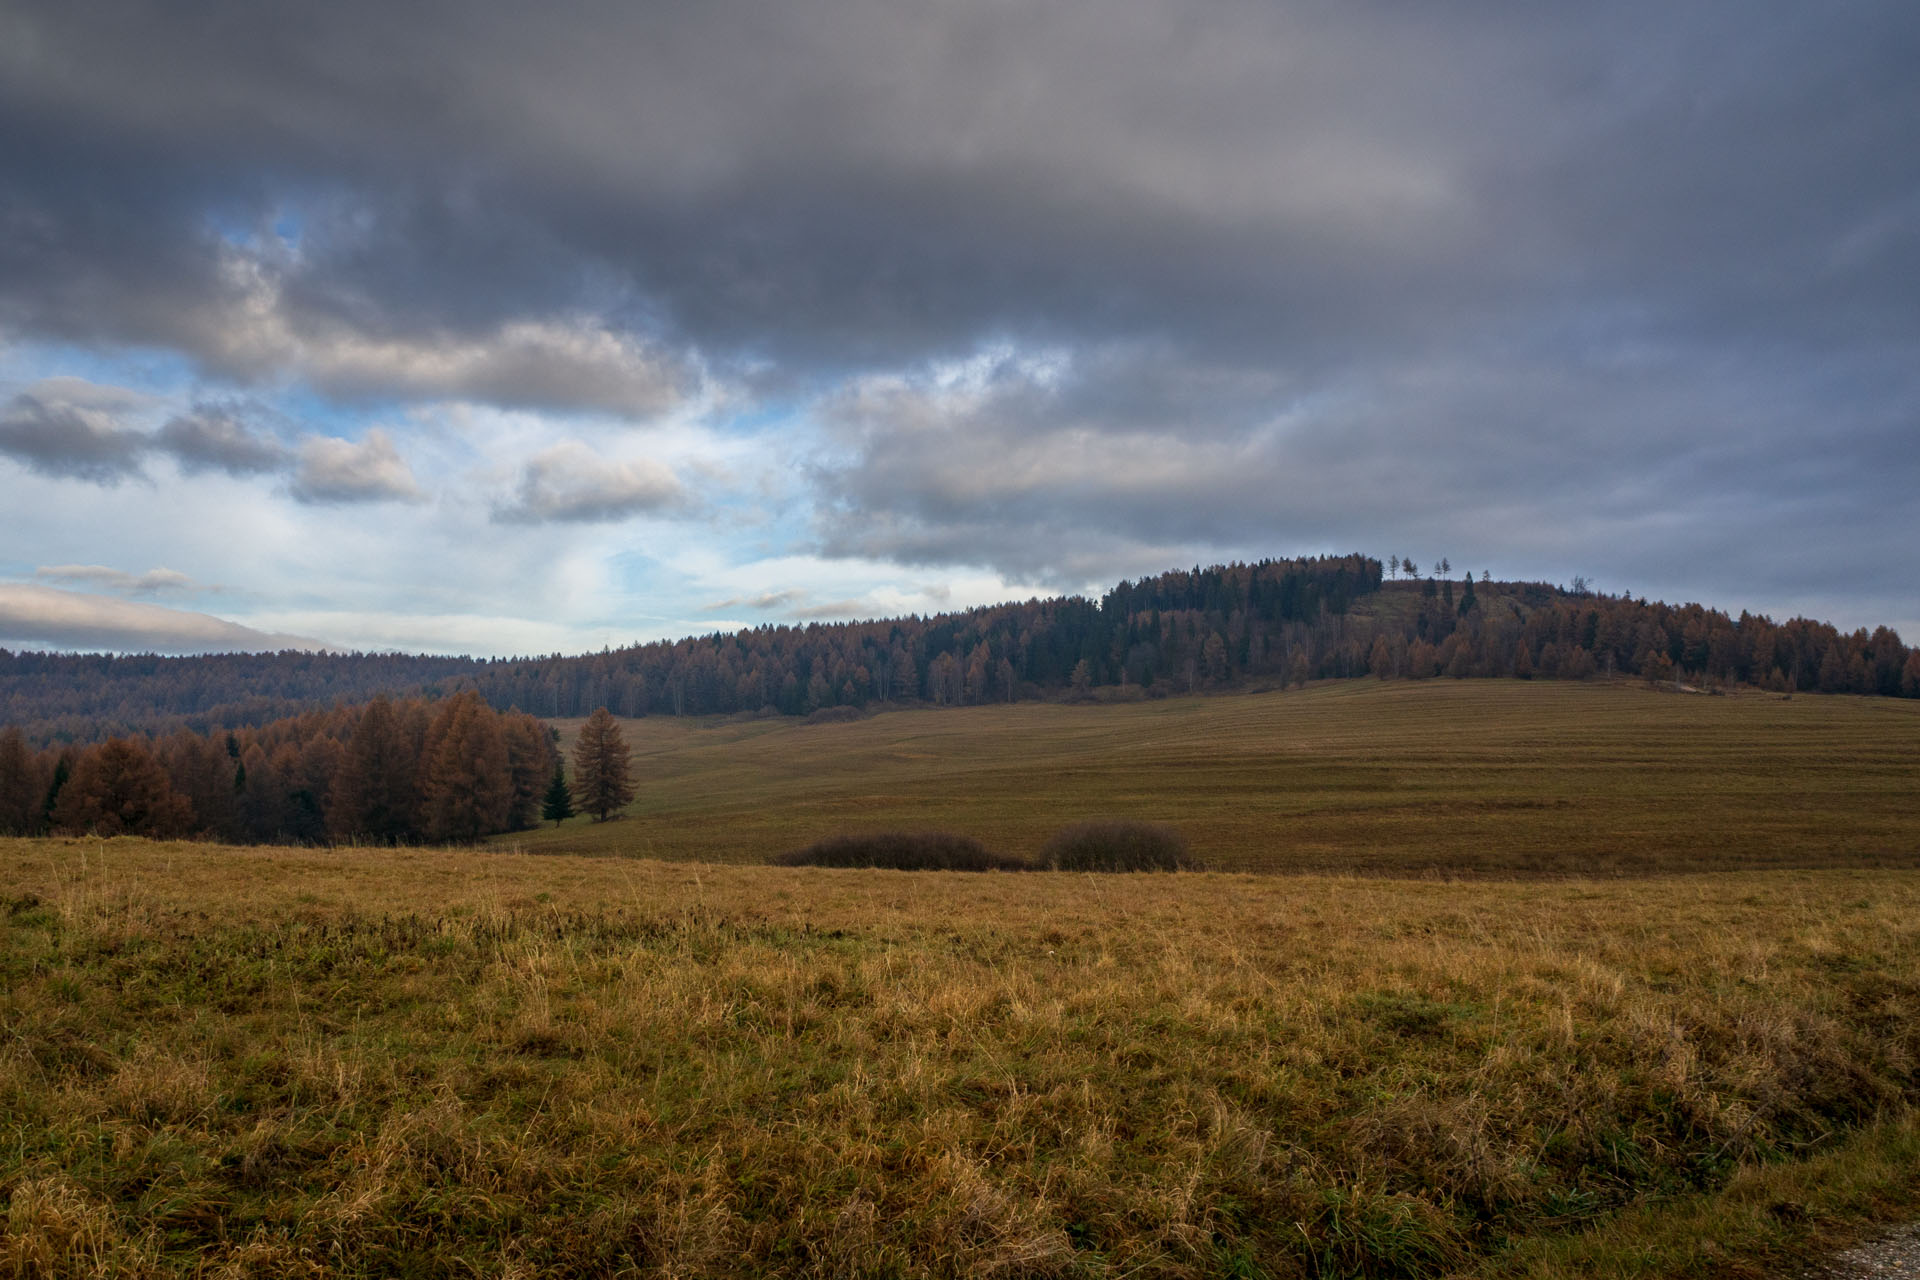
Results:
<point x="22" y="788"/>
<point x="602" y="781"/>
<point x="559" y="804"/>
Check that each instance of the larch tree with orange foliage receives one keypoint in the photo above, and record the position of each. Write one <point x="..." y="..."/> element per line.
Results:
<point x="602" y="775"/>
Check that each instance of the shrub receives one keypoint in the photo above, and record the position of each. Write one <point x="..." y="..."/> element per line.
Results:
<point x="1118" y="846"/>
<point x="903" y="851"/>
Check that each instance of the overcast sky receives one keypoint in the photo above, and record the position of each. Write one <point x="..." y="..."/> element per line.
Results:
<point x="507" y="329"/>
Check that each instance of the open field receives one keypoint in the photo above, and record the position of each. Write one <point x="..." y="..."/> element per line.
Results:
<point x="279" y="1062"/>
<point x="1463" y="777"/>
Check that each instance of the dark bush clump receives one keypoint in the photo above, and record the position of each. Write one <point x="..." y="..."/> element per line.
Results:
<point x="1118" y="846"/>
<point x="903" y="851"/>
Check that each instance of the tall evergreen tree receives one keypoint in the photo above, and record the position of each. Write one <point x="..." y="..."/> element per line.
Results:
<point x="22" y="787"/>
<point x="559" y="803"/>
<point x="602" y="777"/>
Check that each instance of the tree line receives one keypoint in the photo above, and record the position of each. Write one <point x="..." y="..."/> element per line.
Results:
<point x="1278" y="621"/>
<point x="386" y="771"/>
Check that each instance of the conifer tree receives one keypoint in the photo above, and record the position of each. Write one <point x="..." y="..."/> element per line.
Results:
<point x="375" y="794"/>
<point x="22" y="789"/>
<point x="602" y="780"/>
<point x="559" y="803"/>
<point x="467" y="787"/>
<point x="529" y="758"/>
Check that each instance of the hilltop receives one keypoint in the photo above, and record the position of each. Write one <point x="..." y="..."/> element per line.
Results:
<point x="1274" y="622"/>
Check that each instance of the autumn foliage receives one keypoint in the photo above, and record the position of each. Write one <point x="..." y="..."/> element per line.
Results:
<point x="602" y="776"/>
<point x="388" y="772"/>
<point x="1275" y="622"/>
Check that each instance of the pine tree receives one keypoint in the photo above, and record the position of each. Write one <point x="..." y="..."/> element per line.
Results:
<point x="56" y="783"/>
<point x="559" y="804"/>
<point x="602" y="780"/>
<point x="22" y="788"/>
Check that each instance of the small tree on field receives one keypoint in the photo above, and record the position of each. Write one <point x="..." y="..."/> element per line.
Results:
<point x="602" y="780"/>
<point x="559" y="803"/>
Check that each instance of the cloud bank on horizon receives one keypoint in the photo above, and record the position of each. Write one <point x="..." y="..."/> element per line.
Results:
<point x="497" y="329"/>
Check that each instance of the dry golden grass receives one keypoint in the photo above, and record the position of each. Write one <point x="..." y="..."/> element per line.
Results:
<point x="278" y="1062"/>
<point x="1467" y="777"/>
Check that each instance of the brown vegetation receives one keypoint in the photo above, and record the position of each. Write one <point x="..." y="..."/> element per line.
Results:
<point x="1115" y="845"/>
<point x="1455" y="778"/>
<point x="602" y="771"/>
<point x="903" y="851"/>
<point x="380" y="1062"/>
<point x="387" y="772"/>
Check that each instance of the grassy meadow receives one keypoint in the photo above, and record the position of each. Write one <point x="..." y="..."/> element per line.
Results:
<point x="1404" y="777"/>
<point x="536" y="1059"/>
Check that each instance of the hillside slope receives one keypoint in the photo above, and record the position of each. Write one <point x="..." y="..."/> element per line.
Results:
<point x="1460" y="777"/>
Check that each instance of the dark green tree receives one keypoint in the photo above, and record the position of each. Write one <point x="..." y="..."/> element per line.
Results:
<point x="559" y="803"/>
<point x="22" y="785"/>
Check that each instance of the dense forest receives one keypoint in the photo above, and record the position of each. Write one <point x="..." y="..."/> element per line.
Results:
<point x="1277" y="621"/>
<point x="386" y="772"/>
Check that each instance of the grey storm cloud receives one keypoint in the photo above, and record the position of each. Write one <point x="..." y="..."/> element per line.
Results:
<point x="69" y="440"/>
<point x="853" y="179"/>
<point x="75" y="429"/>
<point x="1626" y="463"/>
<point x="215" y="438"/>
<point x="1637" y="284"/>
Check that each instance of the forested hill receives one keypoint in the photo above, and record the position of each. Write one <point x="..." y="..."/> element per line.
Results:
<point x="1279" y="621"/>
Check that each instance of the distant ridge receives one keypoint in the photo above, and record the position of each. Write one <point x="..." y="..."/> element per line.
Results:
<point x="1280" y="621"/>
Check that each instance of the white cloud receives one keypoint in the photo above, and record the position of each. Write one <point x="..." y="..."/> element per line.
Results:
<point x="47" y="616"/>
<point x="100" y="575"/>
<point x="574" y="362"/>
<point x="336" y="470"/>
<point x="570" y="482"/>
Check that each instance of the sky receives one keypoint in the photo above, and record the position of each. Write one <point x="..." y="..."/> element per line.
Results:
<point x="512" y="329"/>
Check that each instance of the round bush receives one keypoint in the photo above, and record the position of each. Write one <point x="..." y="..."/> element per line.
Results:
<point x="1118" y="846"/>
<point x="903" y="851"/>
